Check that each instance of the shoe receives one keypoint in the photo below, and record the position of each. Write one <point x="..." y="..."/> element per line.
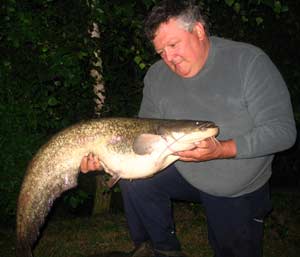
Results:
<point x="143" y="250"/>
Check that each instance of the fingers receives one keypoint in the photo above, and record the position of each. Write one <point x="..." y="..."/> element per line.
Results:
<point x="205" y="150"/>
<point x="188" y="159"/>
<point x="192" y="155"/>
<point x="90" y="163"/>
<point x="207" y="143"/>
<point x="83" y="165"/>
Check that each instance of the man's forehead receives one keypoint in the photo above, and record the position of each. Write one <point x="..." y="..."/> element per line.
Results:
<point x="172" y="24"/>
<point x="168" y="31"/>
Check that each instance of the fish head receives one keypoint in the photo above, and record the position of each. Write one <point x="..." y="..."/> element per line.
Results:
<point x="183" y="134"/>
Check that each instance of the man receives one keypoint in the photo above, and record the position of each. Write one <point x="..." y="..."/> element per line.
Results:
<point x="238" y="87"/>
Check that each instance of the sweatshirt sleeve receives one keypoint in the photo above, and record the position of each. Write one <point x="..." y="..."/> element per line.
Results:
<point x="268" y="102"/>
<point x="149" y="108"/>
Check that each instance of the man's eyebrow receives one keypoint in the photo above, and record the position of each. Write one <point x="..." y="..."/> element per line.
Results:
<point x="172" y="41"/>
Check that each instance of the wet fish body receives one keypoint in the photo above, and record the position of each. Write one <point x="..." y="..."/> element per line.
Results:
<point x="129" y="148"/>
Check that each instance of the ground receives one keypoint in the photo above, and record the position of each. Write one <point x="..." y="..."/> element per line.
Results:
<point x="70" y="236"/>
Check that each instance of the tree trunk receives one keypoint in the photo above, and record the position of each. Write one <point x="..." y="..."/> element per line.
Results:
<point x="102" y="195"/>
<point x="97" y="73"/>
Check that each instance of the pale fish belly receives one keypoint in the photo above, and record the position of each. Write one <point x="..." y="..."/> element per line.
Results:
<point x="133" y="166"/>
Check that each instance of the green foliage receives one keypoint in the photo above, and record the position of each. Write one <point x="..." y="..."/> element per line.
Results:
<point x="44" y="78"/>
<point x="44" y="51"/>
<point x="76" y="198"/>
<point x="250" y="8"/>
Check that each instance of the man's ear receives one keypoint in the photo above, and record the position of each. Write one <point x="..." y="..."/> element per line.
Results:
<point x="199" y="30"/>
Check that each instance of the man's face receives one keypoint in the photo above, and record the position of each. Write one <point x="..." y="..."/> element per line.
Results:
<point x="183" y="51"/>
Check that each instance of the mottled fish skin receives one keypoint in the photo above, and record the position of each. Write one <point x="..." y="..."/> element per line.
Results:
<point x="55" y="167"/>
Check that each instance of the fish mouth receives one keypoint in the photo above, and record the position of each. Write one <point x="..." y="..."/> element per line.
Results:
<point x="177" y="141"/>
<point x="185" y="126"/>
<point x="203" y="125"/>
<point x="203" y="131"/>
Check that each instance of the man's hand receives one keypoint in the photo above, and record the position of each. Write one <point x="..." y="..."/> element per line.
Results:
<point x="209" y="149"/>
<point x="90" y="163"/>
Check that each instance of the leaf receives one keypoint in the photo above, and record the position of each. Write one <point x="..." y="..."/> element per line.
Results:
<point x="137" y="59"/>
<point x="229" y="2"/>
<point x="52" y="101"/>
<point x="245" y="19"/>
<point x="237" y="7"/>
<point x="259" y="20"/>
<point x="142" y="66"/>
<point x="148" y="3"/>
<point x="268" y="3"/>
<point x="45" y="49"/>
<point x="284" y="8"/>
<point x="277" y="7"/>
<point x="82" y="55"/>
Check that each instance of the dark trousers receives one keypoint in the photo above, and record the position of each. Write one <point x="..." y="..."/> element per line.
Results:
<point x="235" y="225"/>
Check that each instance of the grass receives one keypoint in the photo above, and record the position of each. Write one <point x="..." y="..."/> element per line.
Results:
<point x="91" y="236"/>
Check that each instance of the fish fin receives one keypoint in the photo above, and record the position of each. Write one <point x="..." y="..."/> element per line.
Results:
<point x="145" y="143"/>
<point x="113" y="180"/>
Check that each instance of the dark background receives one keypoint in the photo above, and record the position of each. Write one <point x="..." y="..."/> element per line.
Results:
<point x="47" y="53"/>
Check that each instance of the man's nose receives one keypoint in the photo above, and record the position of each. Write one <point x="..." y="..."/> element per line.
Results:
<point x="169" y="54"/>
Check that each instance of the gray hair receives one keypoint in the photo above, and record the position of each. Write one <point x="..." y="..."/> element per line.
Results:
<point x="187" y="12"/>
